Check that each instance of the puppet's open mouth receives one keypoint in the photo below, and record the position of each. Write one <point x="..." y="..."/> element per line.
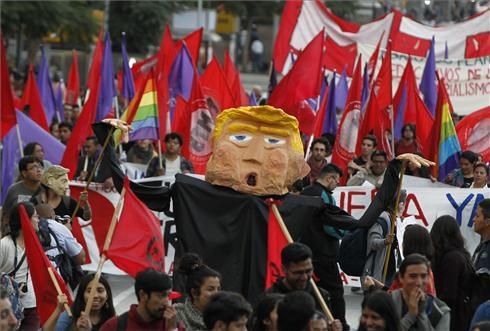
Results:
<point x="252" y="179"/>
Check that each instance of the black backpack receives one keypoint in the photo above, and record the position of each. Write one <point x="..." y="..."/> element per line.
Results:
<point x="69" y="271"/>
<point x="353" y="249"/>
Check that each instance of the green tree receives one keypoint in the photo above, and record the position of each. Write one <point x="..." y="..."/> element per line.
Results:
<point x="33" y="20"/>
<point x="143" y="22"/>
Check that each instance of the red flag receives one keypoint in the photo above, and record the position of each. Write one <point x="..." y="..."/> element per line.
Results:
<point x="216" y="88"/>
<point x="301" y="82"/>
<point x="193" y="43"/>
<point x="416" y="111"/>
<point x="94" y="73"/>
<point x="32" y="98"/>
<point x="137" y="242"/>
<point x="166" y="56"/>
<point x="338" y="57"/>
<point x="474" y="133"/>
<point x="80" y="132"/>
<point x="44" y="288"/>
<point x="276" y="241"/>
<point x="344" y="148"/>
<point x="382" y="86"/>
<point x="320" y="114"/>
<point x="195" y="125"/>
<point x="373" y="60"/>
<point x="73" y="85"/>
<point x="233" y="78"/>
<point x="376" y="121"/>
<point x="7" y="111"/>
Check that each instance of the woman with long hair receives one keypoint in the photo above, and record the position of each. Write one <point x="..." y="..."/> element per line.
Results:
<point x="201" y="283"/>
<point x="379" y="313"/>
<point x="102" y="308"/>
<point x="451" y="265"/>
<point x="265" y="313"/>
<point x="13" y="261"/>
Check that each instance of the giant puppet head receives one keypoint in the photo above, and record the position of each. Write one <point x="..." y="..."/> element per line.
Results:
<point x="256" y="150"/>
<point x="56" y="178"/>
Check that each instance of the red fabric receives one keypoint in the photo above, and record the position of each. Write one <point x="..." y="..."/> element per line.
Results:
<point x="94" y="73"/>
<point x="44" y="288"/>
<point x="233" y="78"/>
<point x="102" y="211"/>
<point x="337" y="57"/>
<point x="276" y="241"/>
<point x="474" y="133"/>
<point x="320" y="114"/>
<point x="80" y="132"/>
<point x="135" y="323"/>
<point x="32" y="98"/>
<point x="383" y="85"/>
<point x="76" y="229"/>
<point x="7" y="111"/>
<point x="411" y="45"/>
<point x="143" y="67"/>
<point x="375" y="121"/>
<point x="215" y="86"/>
<point x="301" y="82"/>
<point x="137" y="242"/>
<point x="289" y="18"/>
<point x="416" y="112"/>
<point x="345" y="142"/>
<point x="193" y="42"/>
<point x="374" y="59"/>
<point x="73" y="84"/>
<point x="477" y="45"/>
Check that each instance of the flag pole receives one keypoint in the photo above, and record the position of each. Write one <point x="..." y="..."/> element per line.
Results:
<point x="19" y="139"/>
<point x="58" y="289"/>
<point x="96" y="165"/>
<point x="286" y="234"/>
<point x="103" y="258"/>
<point x="393" y="215"/>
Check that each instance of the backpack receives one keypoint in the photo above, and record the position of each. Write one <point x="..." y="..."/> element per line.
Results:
<point x="69" y="271"/>
<point x="353" y="249"/>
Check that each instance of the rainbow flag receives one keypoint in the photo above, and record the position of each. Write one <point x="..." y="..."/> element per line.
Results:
<point x="142" y="112"/>
<point x="447" y="148"/>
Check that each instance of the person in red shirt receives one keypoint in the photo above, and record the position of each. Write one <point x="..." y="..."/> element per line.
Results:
<point x="408" y="142"/>
<point x="153" y="312"/>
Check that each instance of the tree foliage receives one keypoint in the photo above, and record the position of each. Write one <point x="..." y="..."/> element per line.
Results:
<point x="143" y="22"/>
<point x="72" y="20"/>
<point x="344" y="9"/>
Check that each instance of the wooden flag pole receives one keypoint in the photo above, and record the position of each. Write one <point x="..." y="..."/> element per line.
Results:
<point x="96" y="165"/>
<point x="103" y="258"/>
<point x="286" y="233"/>
<point x="58" y="289"/>
<point x="393" y="216"/>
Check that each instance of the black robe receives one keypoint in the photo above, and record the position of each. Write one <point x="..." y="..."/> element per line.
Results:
<point x="228" y="229"/>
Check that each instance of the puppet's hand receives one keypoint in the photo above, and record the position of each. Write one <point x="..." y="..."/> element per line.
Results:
<point x="122" y="125"/>
<point x="419" y="161"/>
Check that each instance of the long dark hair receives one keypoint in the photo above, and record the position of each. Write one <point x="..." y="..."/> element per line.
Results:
<point x="446" y="236"/>
<point x="78" y="306"/>
<point x="381" y="303"/>
<point x="196" y="273"/>
<point x="14" y="218"/>
<point x="263" y="310"/>
<point x="416" y="239"/>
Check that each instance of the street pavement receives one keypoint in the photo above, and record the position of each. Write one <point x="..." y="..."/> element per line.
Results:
<point x="123" y="294"/>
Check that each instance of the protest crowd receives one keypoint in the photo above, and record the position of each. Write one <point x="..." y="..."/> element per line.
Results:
<point x="263" y="240"/>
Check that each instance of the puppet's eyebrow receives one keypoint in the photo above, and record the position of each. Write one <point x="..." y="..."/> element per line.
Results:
<point x="274" y="131"/>
<point x="241" y="127"/>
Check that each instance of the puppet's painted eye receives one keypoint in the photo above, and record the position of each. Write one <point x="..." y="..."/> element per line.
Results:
<point x="274" y="141"/>
<point x="240" y="138"/>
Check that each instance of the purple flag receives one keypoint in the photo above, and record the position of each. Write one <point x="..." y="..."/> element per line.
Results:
<point x="127" y="81"/>
<point x="107" y="90"/>
<point x="400" y="113"/>
<point x="341" y="91"/>
<point x="10" y="158"/>
<point x="45" y="88"/>
<point x="365" y="88"/>
<point x="30" y="131"/>
<point x="59" y="100"/>
<point x="428" y="83"/>
<point x="180" y="77"/>
<point x="330" y="122"/>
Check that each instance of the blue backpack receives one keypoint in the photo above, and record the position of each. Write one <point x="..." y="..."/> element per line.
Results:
<point x="8" y="283"/>
<point x="353" y="249"/>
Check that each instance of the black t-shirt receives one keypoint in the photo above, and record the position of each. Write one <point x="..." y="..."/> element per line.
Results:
<point x="63" y="209"/>
<point x="467" y="182"/>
